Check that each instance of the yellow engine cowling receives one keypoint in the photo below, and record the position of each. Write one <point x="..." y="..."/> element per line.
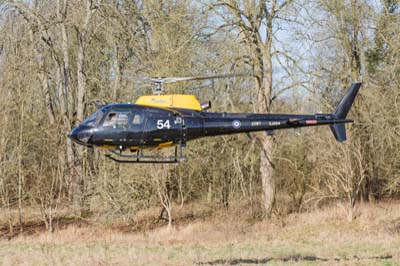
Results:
<point x="174" y="100"/>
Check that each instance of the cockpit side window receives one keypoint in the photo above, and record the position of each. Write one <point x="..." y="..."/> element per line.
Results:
<point x="116" y="119"/>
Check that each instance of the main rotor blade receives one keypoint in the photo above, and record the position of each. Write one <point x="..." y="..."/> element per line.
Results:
<point x="219" y="76"/>
<point x="167" y="80"/>
<point x="146" y="79"/>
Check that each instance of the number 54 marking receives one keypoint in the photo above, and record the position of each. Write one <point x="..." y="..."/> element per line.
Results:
<point x="161" y="124"/>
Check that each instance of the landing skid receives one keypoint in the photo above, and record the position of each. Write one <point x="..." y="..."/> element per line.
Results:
<point x="142" y="158"/>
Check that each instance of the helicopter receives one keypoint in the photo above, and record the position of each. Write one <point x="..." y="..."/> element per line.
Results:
<point x="171" y="120"/>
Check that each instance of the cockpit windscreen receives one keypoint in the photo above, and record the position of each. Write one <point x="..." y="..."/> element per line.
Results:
<point x="94" y="119"/>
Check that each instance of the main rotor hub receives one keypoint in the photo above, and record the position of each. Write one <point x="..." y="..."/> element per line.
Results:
<point x="158" y="88"/>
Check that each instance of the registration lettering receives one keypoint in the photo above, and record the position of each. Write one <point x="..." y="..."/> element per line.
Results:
<point x="274" y="123"/>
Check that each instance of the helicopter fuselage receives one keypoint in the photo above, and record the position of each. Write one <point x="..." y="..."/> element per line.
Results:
<point x="133" y="127"/>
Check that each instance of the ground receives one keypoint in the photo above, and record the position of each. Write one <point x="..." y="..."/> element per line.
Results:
<point x="321" y="237"/>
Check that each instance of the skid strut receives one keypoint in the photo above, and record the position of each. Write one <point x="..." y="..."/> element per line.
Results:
<point x="142" y="158"/>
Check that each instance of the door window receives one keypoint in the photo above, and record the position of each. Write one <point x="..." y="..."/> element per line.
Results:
<point x="116" y="119"/>
<point x="137" y="118"/>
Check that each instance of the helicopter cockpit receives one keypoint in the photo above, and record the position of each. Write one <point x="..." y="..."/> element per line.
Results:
<point x="110" y="122"/>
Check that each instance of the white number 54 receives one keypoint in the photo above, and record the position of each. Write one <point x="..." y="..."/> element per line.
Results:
<point x="161" y="124"/>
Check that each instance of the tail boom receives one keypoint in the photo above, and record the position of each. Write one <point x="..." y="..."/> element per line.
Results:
<point x="229" y="123"/>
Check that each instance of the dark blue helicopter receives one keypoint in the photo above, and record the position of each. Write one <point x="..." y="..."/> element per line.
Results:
<point x="160" y="121"/>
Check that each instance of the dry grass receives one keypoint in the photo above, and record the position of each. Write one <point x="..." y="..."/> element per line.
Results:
<point x="321" y="237"/>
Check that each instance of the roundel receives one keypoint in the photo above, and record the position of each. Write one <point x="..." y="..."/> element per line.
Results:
<point x="236" y="124"/>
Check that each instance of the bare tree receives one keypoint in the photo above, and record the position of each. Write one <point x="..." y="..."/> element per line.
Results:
<point x="345" y="176"/>
<point x="255" y="22"/>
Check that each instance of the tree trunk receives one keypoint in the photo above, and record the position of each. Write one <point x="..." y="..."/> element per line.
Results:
<point x="264" y="106"/>
<point x="20" y="174"/>
<point x="117" y="72"/>
<point x="266" y="170"/>
<point x="81" y="80"/>
<point x="77" y="182"/>
<point x="77" y="178"/>
<point x="65" y="93"/>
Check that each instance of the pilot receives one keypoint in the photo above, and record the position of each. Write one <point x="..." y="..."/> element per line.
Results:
<point x="110" y="120"/>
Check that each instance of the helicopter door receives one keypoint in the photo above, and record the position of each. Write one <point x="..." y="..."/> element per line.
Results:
<point x="162" y="127"/>
<point x="171" y="129"/>
<point x="136" y="128"/>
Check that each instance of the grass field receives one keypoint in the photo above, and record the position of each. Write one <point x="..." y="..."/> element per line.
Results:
<point x="321" y="237"/>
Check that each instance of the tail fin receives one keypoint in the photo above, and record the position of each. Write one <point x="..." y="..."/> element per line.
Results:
<point x="344" y="105"/>
<point x="343" y="108"/>
<point x="339" y="131"/>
